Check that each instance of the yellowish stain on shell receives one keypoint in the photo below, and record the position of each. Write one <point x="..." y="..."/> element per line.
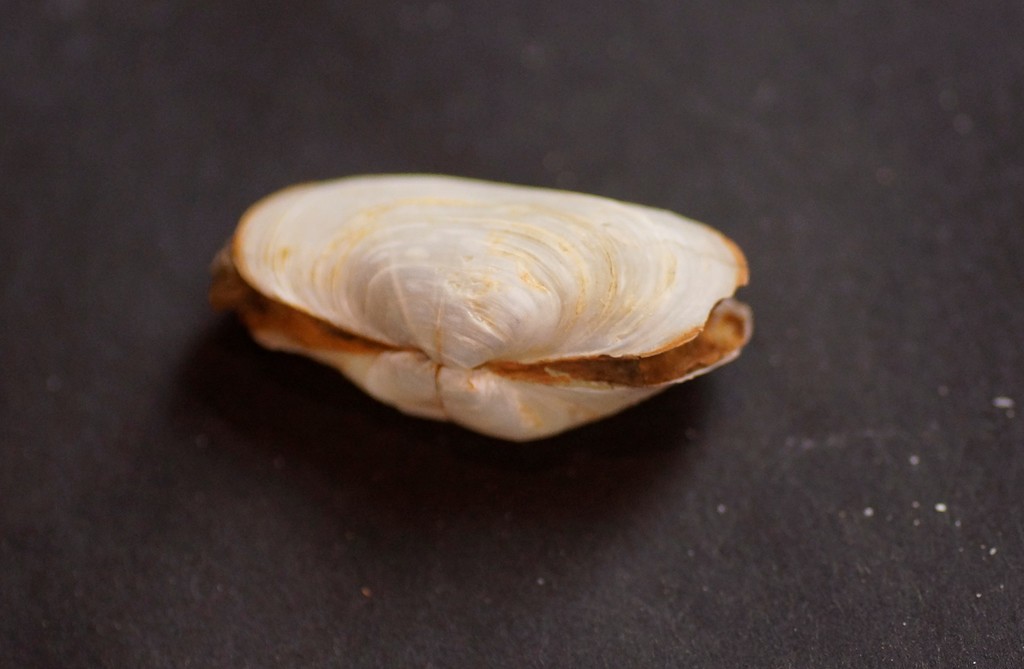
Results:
<point x="601" y="292"/>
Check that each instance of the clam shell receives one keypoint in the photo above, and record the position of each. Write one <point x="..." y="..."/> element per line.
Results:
<point x="517" y="312"/>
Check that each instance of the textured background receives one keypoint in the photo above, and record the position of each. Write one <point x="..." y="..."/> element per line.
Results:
<point x="171" y="495"/>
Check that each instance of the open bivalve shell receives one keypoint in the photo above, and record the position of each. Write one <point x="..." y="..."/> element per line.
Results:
<point x="513" y="311"/>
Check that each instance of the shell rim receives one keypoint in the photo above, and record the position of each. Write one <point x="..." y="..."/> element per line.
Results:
<point x="741" y="279"/>
<point x="231" y="291"/>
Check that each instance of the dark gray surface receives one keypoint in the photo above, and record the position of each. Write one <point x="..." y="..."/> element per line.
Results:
<point x="174" y="496"/>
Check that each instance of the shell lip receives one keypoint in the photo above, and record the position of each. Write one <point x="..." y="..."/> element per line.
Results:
<point x="742" y="266"/>
<point x="256" y="308"/>
<point x="727" y="329"/>
<point x="230" y="291"/>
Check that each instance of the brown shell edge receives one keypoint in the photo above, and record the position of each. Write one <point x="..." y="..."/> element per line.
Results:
<point x="726" y="331"/>
<point x="229" y="291"/>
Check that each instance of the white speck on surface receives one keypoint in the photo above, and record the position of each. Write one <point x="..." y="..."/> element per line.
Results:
<point x="915" y="504"/>
<point x="993" y="550"/>
<point x="67" y="10"/>
<point x="533" y="56"/>
<point x="978" y="595"/>
<point x="540" y="581"/>
<point x="1003" y="402"/>
<point x="766" y="95"/>
<point x="885" y="176"/>
<point x="963" y="124"/>
<point x="948" y="99"/>
<point x="914" y="460"/>
<point x="566" y="179"/>
<point x="438" y="16"/>
<point x="553" y="161"/>
<point x="917" y="522"/>
<point x="868" y="512"/>
<point x="956" y="523"/>
<point x="721" y="508"/>
<point x="941" y="507"/>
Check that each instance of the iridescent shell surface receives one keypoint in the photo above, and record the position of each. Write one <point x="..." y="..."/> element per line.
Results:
<point x="517" y="312"/>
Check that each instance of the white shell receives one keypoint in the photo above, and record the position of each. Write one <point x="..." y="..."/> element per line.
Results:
<point x="446" y="284"/>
